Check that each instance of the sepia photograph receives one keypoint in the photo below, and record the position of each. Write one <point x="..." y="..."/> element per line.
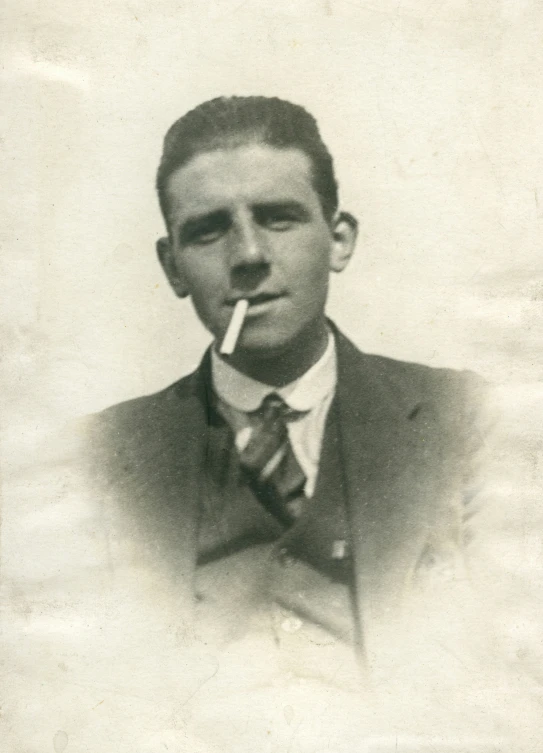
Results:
<point x="271" y="461"/>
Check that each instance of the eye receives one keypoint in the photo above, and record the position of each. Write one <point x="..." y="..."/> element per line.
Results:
<point x="204" y="237"/>
<point x="205" y="231"/>
<point x="280" y="222"/>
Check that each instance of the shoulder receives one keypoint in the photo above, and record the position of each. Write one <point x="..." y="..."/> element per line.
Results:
<point x="136" y="435"/>
<point x="142" y="415"/>
<point x="406" y="382"/>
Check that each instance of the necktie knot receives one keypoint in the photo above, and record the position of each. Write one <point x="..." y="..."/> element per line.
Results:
<point x="273" y="408"/>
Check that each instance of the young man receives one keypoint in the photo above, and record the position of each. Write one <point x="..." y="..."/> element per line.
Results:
<point x="329" y="486"/>
<point x="279" y="551"/>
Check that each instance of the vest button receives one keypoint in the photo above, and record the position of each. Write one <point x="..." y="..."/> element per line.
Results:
<point x="285" y="558"/>
<point x="291" y="624"/>
<point x="339" y="549"/>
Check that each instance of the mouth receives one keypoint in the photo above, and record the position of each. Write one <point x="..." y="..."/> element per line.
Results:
<point x="256" y="301"/>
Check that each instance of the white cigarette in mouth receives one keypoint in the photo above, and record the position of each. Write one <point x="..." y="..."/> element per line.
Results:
<point x="234" y="328"/>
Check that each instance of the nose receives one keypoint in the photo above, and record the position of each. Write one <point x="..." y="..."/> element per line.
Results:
<point x="248" y="247"/>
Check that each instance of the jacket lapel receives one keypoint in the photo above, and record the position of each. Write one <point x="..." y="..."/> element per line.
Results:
<point x="179" y="463"/>
<point x="390" y="486"/>
<point x="156" y="474"/>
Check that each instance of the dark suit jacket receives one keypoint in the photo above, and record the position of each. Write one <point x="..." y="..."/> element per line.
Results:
<point x="98" y="582"/>
<point x="409" y="435"/>
<point x="104" y="592"/>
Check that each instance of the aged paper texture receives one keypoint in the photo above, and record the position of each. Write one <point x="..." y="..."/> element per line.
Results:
<point x="432" y="110"/>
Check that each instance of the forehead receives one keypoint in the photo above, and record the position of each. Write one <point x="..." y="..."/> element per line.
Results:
<point x="248" y="174"/>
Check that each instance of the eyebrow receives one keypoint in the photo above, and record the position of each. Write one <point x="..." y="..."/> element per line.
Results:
<point x="295" y="207"/>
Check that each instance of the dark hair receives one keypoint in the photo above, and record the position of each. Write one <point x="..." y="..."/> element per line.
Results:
<point x="228" y="122"/>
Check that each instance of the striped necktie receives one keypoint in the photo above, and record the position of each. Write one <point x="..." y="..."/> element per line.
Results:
<point x="269" y="460"/>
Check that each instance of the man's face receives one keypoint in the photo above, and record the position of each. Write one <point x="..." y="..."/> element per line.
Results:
<point x="247" y="223"/>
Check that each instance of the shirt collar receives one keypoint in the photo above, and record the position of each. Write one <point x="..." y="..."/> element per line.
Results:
<point x="306" y="392"/>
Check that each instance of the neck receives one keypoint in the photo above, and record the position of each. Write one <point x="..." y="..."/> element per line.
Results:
<point x="287" y="364"/>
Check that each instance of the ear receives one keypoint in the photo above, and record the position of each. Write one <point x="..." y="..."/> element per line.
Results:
<point x="344" y="234"/>
<point x="171" y="268"/>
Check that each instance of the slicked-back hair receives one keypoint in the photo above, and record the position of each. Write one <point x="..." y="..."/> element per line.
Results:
<point x="230" y="122"/>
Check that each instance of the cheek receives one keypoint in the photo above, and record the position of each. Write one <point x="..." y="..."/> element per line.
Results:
<point x="203" y="276"/>
<point x="314" y="266"/>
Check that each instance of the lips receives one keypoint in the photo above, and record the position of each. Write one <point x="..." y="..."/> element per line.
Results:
<point x="255" y="300"/>
<point x="263" y="298"/>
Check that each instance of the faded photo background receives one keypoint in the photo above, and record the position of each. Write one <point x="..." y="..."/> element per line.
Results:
<point x="432" y="110"/>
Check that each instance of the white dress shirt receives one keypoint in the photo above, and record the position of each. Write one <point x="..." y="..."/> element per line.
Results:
<point x="312" y="393"/>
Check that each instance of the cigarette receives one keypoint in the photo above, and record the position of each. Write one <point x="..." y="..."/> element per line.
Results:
<point x="234" y="328"/>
